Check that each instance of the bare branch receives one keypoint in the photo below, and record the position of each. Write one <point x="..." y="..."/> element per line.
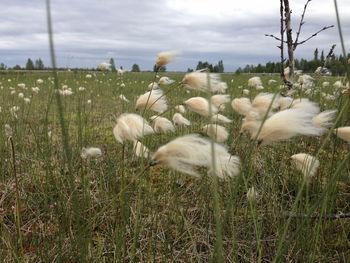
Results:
<point x="313" y="35"/>
<point x="329" y="55"/>
<point x="282" y="42"/>
<point x="278" y="39"/>
<point x="287" y="13"/>
<point x="301" y="24"/>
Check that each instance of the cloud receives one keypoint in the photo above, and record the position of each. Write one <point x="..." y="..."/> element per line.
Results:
<point x="134" y="31"/>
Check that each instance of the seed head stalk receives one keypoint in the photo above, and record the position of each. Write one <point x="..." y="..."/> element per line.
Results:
<point x="217" y="255"/>
<point x="18" y="216"/>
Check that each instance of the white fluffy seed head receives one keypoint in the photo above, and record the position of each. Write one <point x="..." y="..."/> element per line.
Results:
<point x="163" y="125"/>
<point x="285" y="102"/>
<point x="262" y="101"/>
<point x="325" y="118"/>
<point x="252" y="194"/>
<point x="165" y="81"/>
<point x="180" y="108"/>
<point x="217" y="132"/>
<point x="140" y="150"/>
<point x="338" y="84"/>
<point x="90" y="152"/>
<point x="131" y="127"/>
<point x="343" y="133"/>
<point x="153" y="86"/>
<point x="246" y="92"/>
<point x="287" y="73"/>
<point x="179" y="120"/>
<point x="325" y="84"/>
<point x="200" y="105"/>
<point x="122" y="97"/>
<point x="199" y="81"/>
<point x="287" y="124"/>
<point x="305" y="104"/>
<point x="153" y="100"/>
<point x="185" y="153"/>
<point x="242" y="105"/>
<point x="166" y="57"/>
<point x="220" y="100"/>
<point x="272" y="81"/>
<point x="220" y="118"/>
<point x="306" y="163"/>
<point x="8" y="130"/>
<point x="103" y="65"/>
<point x="254" y="82"/>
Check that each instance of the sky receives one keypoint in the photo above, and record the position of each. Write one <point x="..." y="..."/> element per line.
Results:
<point x="88" y="32"/>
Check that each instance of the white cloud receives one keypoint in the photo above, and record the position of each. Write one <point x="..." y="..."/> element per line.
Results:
<point x="134" y="31"/>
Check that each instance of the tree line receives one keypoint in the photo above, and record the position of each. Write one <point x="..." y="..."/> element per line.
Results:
<point x="336" y="65"/>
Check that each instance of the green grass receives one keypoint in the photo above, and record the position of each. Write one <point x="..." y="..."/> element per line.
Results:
<point x="163" y="215"/>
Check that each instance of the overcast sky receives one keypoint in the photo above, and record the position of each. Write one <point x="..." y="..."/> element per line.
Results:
<point x="134" y="31"/>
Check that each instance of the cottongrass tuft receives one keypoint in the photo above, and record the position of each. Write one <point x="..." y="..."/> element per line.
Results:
<point x="325" y="119"/>
<point x="262" y="101"/>
<point x="254" y="82"/>
<point x="199" y="81"/>
<point x="220" y="100"/>
<point x="153" y="86"/>
<point x="285" y="125"/>
<point x="140" y="150"/>
<point x="252" y="195"/>
<point x="200" y="105"/>
<point x="35" y="89"/>
<point x="131" y="127"/>
<point x="162" y="124"/>
<point x="163" y="58"/>
<point x="338" y="84"/>
<point x="180" y="108"/>
<point x="220" y="118"/>
<point x="165" y="81"/>
<point x="306" y="163"/>
<point x="217" y="132"/>
<point x="122" y="97"/>
<point x="103" y="65"/>
<point x="242" y="105"/>
<point x="90" y="152"/>
<point x="153" y="100"/>
<point x="285" y="102"/>
<point x="306" y="105"/>
<point x="180" y="120"/>
<point x="8" y="130"/>
<point x="343" y="133"/>
<point x="185" y="153"/>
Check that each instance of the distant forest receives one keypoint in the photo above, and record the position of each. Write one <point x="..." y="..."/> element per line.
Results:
<point x="336" y="65"/>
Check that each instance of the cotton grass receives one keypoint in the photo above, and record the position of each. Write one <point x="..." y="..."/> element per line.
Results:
<point x="200" y="105"/>
<point x="306" y="163"/>
<point x="131" y="127"/>
<point x="153" y="100"/>
<point x="185" y="153"/>
<point x="180" y="120"/>
<point x="343" y="133"/>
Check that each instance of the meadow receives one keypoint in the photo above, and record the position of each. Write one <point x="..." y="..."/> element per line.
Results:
<point x="106" y="209"/>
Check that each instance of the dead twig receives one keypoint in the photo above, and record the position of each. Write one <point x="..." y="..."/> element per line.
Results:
<point x="300" y="24"/>
<point x="313" y="35"/>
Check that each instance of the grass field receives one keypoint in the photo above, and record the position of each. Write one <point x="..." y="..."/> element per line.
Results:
<point x="101" y="210"/>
